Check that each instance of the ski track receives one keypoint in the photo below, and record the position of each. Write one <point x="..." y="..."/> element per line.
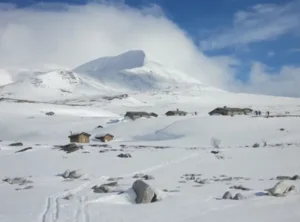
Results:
<point x="52" y="209"/>
<point x="52" y="206"/>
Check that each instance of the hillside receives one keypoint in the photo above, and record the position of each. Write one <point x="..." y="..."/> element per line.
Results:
<point x="189" y="161"/>
<point x="54" y="85"/>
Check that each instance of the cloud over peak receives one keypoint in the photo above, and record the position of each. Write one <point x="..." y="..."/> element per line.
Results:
<point x="31" y="37"/>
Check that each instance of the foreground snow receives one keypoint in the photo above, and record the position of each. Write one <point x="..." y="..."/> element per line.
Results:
<point x="167" y="148"/>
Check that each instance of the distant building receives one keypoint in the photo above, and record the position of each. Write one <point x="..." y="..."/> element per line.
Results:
<point x="227" y="111"/>
<point x="105" y="138"/>
<point x="136" y="115"/>
<point x="176" y="113"/>
<point x="80" y="138"/>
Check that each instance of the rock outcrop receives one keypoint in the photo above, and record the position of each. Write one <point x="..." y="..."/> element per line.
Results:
<point x="144" y="192"/>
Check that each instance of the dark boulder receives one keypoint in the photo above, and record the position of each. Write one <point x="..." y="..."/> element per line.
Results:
<point x="144" y="192"/>
<point x="227" y="196"/>
<point x="16" y="144"/>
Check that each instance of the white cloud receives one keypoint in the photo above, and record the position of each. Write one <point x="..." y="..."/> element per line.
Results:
<point x="263" y="80"/>
<point x="260" y="23"/>
<point x="32" y="37"/>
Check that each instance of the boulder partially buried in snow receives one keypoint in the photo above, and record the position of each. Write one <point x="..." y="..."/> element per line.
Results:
<point x="281" y="188"/>
<point x="144" y="192"/>
<point x="227" y="196"/>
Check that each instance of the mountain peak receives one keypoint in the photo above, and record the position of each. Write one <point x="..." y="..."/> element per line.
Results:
<point x="134" y="70"/>
<point x="127" y="60"/>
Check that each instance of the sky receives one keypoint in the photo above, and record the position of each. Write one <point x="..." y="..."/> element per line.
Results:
<point x="244" y="46"/>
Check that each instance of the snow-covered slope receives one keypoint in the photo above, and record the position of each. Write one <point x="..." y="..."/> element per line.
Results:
<point x="176" y="151"/>
<point x="5" y="77"/>
<point x="54" y="85"/>
<point x="134" y="70"/>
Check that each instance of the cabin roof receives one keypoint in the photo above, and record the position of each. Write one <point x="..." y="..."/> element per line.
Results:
<point x="106" y="134"/>
<point x="222" y="109"/>
<point x="78" y="134"/>
<point x="176" y="112"/>
<point x="136" y="113"/>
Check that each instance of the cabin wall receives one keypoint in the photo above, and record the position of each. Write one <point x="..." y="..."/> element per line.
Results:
<point x="73" y="140"/>
<point x="84" y="139"/>
<point x="80" y="139"/>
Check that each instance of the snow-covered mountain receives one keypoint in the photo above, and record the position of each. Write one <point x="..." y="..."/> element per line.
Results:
<point x="53" y="85"/>
<point x="134" y="70"/>
<point x="130" y="71"/>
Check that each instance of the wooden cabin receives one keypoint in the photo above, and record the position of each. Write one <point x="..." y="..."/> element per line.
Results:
<point x="227" y="111"/>
<point x="80" y="138"/>
<point x="176" y="113"/>
<point x="105" y="138"/>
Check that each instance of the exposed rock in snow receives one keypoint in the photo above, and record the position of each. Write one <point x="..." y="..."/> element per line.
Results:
<point x="17" y="180"/>
<point x="227" y="196"/>
<point x="144" y="192"/>
<point x="16" y="144"/>
<point x="281" y="188"/>
<point x="238" y="196"/>
<point x="124" y="155"/>
<point x="71" y="174"/>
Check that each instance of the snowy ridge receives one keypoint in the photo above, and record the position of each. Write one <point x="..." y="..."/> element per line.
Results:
<point x="134" y="70"/>
<point x="53" y="85"/>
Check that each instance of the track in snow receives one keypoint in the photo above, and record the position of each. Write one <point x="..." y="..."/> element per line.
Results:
<point x="52" y="208"/>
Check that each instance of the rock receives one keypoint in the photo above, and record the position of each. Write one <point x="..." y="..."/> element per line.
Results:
<point x="74" y="175"/>
<point x="101" y="189"/>
<point x="153" y="114"/>
<point x="68" y="197"/>
<point x="282" y="129"/>
<point x="17" y="180"/>
<point x="280" y="188"/>
<point x="72" y="147"/>
<point x="124" y="155"/>
<point x="296" y="177"/>
<point x="143" y="176"/>
<point x="238" y="196"/>
<point x="148" y="177"/>
<point x="16" y="144"/>
<point x="240" y="187"/>
<point x="144" y="192"/>
<point x="105" y="188"/>
<point x="215" y="152"/>
<point x="204" y="181"/>
<point x="292" y="188"/>
<point x="50" y="113"/>
<point x="111" y="184"/>
<point x="256" y="145"/>
<point x="28" y="187"/>
<point x="99" y="126"/>
<point x="71" y="174"/>
<point x="283" y="178"/>
<point x="23" y="150"/>
<point x="227" y="196"/>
